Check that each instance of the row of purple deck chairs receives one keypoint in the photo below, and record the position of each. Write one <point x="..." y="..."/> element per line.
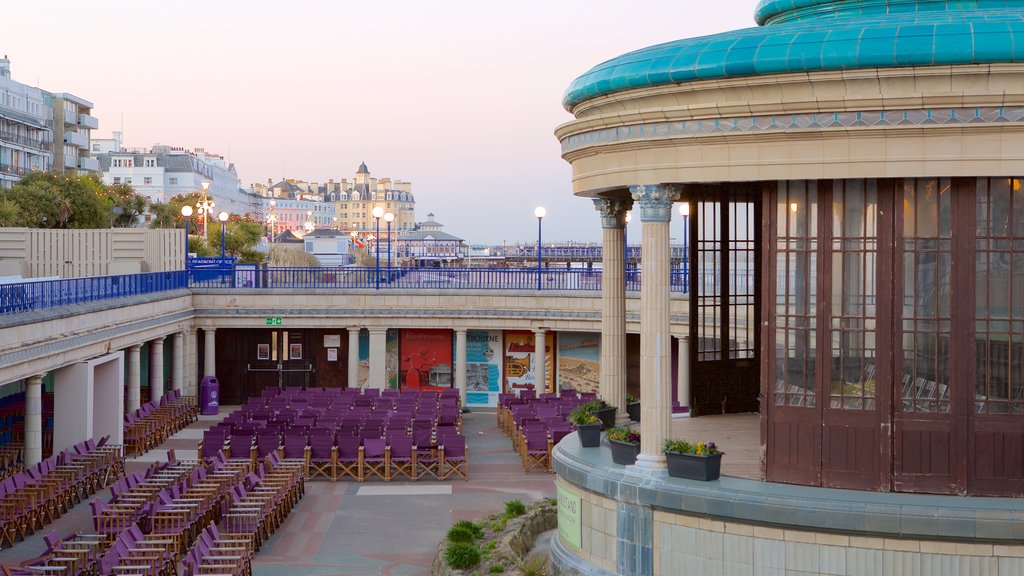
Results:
<point x="537" y="423"/>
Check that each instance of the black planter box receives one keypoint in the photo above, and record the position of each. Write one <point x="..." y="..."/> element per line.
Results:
<point x="624" y="453"/>
<point x="607" y="416"/>
<point x="693" y="467"/>
<point x="633" y="409"/>
<point x="590" y="435"/>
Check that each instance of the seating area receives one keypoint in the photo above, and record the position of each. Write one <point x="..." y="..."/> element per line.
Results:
<point x="154" y="422"/>
<point x="348" y="433"/>
<point x="536" y="423"/>
<point x="42" y="493"/>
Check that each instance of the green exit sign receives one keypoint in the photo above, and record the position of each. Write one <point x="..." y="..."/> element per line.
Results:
<point x="274" y="321"/>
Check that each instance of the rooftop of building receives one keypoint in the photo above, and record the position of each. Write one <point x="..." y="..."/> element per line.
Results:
<point x="821" y="35"/>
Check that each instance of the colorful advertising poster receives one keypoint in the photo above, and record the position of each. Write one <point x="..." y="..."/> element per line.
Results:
<point x="483" y="367"/>
<point x="519" y="362"/>
<point x="364" y="357"/>
<point x="391" y="358"/>
<point x="579" y="360"/>
<point x="426" y="359"/>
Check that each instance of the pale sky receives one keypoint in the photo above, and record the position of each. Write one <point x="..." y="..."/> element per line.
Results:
<point x="460" y="98"/>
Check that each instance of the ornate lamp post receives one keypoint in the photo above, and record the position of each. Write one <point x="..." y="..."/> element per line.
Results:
<point x="272" y="219"/>
<point x="539" y="212"/>
<point x="205" y="206"/>
<point x="377" y="213"/>
<point x="389" y="218"/>
<point x="223" y="217"/>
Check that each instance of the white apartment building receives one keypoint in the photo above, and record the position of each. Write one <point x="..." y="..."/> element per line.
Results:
<point x="26" y="128"/>
<point x="162" y="172"/>
<point x="73" y="124"/>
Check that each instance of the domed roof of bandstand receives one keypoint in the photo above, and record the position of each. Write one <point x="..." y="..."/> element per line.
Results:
<point x="822" y="35"/>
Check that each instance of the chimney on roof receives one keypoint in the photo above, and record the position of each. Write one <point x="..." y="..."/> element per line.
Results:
<point x="5" y="67"/>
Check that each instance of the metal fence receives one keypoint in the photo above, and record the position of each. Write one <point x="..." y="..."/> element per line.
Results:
<point x="25" y="296"/>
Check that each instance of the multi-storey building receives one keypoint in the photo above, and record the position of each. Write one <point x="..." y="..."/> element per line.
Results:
<point x="72" y="126"/>
<point x="164" y="171"/>
<point x="293" y="212"/>
<point x="26" y="128"/>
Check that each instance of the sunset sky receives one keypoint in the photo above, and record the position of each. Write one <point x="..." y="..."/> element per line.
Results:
<point x="460" y="98"/>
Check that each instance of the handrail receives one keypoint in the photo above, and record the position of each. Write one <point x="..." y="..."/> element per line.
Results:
<point x="44" y="294"/>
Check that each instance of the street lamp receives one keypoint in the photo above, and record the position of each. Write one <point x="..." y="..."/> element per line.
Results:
<point x="186" y="213"/>
<point x="223" y="217"/>
<point x="539" y="212"/>
<point x="272" y="219"/>
<point x="377" y="213"/>
<point x="389" y="218"/>
<point x="205" y="206"/>
<point x="310" y="226"/>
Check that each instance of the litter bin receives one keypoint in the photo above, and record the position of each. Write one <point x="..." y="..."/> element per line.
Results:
<point x="209" y="396"/>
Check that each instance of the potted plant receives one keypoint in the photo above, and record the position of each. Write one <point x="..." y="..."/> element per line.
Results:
<point x="588" y="427"/>
<point x="625" y="443"/>
<point x="602" y="410"/>
<point x="693" y="460"/>
<point x="633" y="407"/>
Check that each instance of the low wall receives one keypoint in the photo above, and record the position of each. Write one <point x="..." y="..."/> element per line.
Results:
<point x="38" y="253"/>
<point x="632" y="523"/>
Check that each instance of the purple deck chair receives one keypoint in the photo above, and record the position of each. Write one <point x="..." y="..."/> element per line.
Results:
<point x="348" y="457"/>
<point x="401" y="458"/>
<point x="374" y="458"/>
<point x="323" y="456"/>
<point x="534" y="450"/>
<point x="454" y="457"/>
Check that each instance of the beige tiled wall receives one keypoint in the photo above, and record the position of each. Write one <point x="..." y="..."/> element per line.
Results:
<point x="715" y="548"/>
<point x="598" y="530"/>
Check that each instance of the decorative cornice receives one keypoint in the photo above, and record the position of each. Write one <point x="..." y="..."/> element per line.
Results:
<point x="655" y="201"/>
<point x="613" y="211"/>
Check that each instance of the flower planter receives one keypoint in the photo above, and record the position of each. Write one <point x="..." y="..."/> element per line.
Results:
<point x="590" y="435"/>
<point x="693" y="467"/>
<point x="607" y="416"/>
<point x="624" y="453"/>
<point x="633" y="409"/>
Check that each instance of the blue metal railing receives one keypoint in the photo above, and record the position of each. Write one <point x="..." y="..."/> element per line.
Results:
<point x="15" y="298"/>
<point x="26" y="296"/>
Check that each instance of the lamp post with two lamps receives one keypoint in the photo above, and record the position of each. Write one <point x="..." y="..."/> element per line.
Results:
<point x="377" y="213"/>
<point x="205" y="206"/>
<point x="186" y="213"/>
<point x="539" y="212"/>
<point x="272" y="219"/>
<point x="389" y="218"/>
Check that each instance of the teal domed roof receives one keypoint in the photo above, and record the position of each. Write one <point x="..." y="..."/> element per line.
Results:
<point x="817" y="35"/>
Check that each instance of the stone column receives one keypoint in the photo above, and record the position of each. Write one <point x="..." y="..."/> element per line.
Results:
<point x="191" y="362"/>
<point x="655" y="206"/>
<point x="684" y="370"/>
<point x="134" y="377"/>
<point x="210" y="355"/>
<point x="33" y="420"/>
<point x="178" y="362"/>
<point x="378" y="358"/>
<point x="460" y="363"/>
<point x="353" y="357"/>
<point x="613" y="301"/>
<point x="156" y="369"/>
<point x="540" y="375"/>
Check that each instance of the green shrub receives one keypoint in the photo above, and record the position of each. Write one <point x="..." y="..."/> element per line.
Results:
<point x="536" y="566"/>
<point x="491" y="545"/>
<point x="473" y="527"/>
<point x="514" y="508"/>
<point x="460" y="534"/>
<point x="498" y="525"/>
<point x="497" y="568"/>
<point x="461" y="555"/>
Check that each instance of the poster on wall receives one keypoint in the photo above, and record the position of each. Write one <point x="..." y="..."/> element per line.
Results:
<point x="519" y="361"/>
<point x="426" y="359"/>
<point x="483" y="367"/>
<point x="391" y="358"/>
<point x="579" y="361"/>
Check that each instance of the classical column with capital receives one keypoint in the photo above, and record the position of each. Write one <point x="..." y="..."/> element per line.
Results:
<point x="178" y="361"/>
<point x="134" y="377"/>
<point x="33" y="420"/>
<point x="613" y="301"/>
<point x="191" y="362"/>
<point x="210" y="354"/>
<point x="684" y="369"/>
<point x="156" y="369"/>
<point x="540" y="375"/>
<point x="460" y="363"/>
<point x="378" y="358"/>
<point x="655" y="209"/>
<point x="353" y="357"/>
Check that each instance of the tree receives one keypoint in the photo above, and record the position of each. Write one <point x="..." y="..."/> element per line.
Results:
<point x="132" y="205"/>
<point x="8" y="212"/>
<point x="51" y="200"/>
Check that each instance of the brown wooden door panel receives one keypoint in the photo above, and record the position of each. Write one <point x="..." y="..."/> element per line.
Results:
<point x="997" y="456"/>
<point x="849" y="452"/>
<point x="925" y="456"/>
<point x="793" y="443"/>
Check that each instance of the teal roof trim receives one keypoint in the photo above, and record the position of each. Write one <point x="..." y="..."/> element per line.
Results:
<point x="882" y="41"/>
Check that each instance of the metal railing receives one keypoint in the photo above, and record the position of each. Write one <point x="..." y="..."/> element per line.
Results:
<point x="25" y="296"/>
<point x="15" y="138"/>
